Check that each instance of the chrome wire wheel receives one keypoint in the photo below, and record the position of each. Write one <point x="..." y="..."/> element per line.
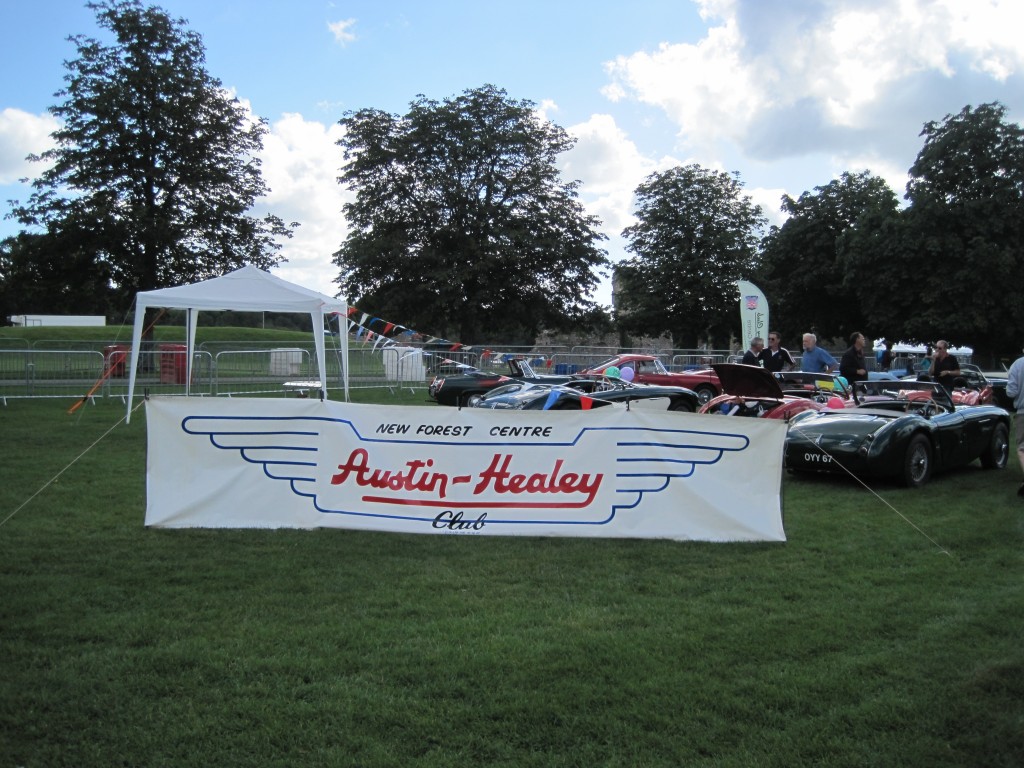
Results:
<point x="917" y="463"/>
<point x="704" y="394"/>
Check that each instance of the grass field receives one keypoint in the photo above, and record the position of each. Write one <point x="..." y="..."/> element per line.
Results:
<point x="860" y="642"/>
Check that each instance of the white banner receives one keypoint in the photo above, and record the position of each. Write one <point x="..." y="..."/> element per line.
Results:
<point x="608" y="472"/>
<point x="753" y="313"/>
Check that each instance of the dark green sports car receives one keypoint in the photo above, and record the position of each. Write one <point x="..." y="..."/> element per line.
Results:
<point x="901" y="429"/>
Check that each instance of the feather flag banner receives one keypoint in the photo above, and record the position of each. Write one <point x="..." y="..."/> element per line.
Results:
<point x="753" y="312"/>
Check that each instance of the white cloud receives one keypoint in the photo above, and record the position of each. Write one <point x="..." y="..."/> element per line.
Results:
<point x="301" y="164"/>
<point x="782" y="79"/>
<point x="990" y="31"/>
<point x="342" y="31"/>
<point x="704" y="87"/>
<point x="770" y="201"/>
<point x="610" y="167"/>
<point x="23" y="134"/>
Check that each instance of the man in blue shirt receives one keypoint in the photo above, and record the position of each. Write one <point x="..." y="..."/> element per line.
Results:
<point x="816" y="359"/>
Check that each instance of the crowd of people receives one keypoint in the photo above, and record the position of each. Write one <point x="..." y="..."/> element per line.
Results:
<point x="940" y="365"/>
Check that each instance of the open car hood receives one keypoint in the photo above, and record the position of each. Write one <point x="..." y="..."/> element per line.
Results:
<point x="747" y="380"/>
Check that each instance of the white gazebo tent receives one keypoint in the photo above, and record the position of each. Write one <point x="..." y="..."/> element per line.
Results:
<point x="245" y="290"/>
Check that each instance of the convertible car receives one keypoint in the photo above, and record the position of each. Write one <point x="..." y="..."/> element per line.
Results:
<point x="991" y="387"/>
<point x="469" y="385"/>
<point x="584" y="394"/>
<point x="753" y="391"/>
<point x="648" y="369"/>
<point x="906" y="430"/>
<point x="975" y="387"/>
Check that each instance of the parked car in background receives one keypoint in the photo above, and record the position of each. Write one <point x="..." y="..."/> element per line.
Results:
<point x="468" y="384"/>
<point x="648" y="369"/>
<point x="907" y="430"/>
<point x="991" y="385"/>
<point x="818" y="384"/>
<point x="975" y="387"/>
<point x="884" y="376"/>
<point x="585" y="394"/>
<point x="753" y="391"/>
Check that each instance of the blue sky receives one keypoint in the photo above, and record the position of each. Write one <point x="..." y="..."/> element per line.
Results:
<point x="789" y="93"/>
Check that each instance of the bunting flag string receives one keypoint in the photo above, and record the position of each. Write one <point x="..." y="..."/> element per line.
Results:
<point x="381" y="334"/>
<point x="387" y="336"/>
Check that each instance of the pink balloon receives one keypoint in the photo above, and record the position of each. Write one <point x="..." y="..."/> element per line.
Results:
<point x="627" y="374"/>
<point x="836" y="402"/>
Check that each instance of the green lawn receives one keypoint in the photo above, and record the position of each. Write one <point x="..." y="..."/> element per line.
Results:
<point x="858" y="642"/>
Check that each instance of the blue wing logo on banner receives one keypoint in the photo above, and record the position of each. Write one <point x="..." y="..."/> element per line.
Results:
<point x="564" y="482"/>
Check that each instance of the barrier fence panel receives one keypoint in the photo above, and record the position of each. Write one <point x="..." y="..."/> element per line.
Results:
<point x="34" y="373"/>
<point x="263" y="370"/>
<point x="693" y="359"/>
<point x="7" y="342"/>
<point x="160" y="372"/>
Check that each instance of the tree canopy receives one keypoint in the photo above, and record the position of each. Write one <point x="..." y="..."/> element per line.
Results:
<point x="461" y="223"/>
<point x="696" y="234"/>
<point x="803" y="271"/>
<point x="940" y="269"/>
<point x="155" y="164"/>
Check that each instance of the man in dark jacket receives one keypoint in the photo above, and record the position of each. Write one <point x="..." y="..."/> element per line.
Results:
<point x="852" y="366"/>
<point x="945" y="368"/>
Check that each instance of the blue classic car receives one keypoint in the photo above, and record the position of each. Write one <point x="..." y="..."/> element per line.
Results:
<point x="906" y="429"/>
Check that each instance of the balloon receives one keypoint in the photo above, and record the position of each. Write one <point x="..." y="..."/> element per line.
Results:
<point x="836" y="402"/>
<point x="627" y="374"/>
<point x="842" y="380"/>
<point x="612" y="372"/>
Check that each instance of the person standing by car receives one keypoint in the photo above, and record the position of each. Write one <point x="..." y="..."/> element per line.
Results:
<point x="753" y="355"/>
<point x="776" y="357"/>
<point x="944" y="368"/>
<point x="852" y="366"/>
<point x="885" y="357"/>
<point x="1015" y="391"/>
<point x="815" y="359"/>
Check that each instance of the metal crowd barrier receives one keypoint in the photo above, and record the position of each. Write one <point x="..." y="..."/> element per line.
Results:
<point x="100" y="369"/>
<point x="33" y="373"/>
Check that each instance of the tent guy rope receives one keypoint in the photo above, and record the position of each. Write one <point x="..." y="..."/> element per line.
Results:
<point x="70" y="464"/>
<point x="870" y="490"/>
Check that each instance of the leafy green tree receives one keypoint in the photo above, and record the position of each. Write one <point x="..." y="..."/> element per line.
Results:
<point x="942" y="271"/>
<point x="461" y="225"/>
<point x="52" y="274"/>
<point x="696" y="234"/>
<point x="804" y="271"/>
<point x="155" y="164"/>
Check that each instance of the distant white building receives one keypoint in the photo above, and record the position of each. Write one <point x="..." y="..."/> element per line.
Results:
<point x="74" y="321"/>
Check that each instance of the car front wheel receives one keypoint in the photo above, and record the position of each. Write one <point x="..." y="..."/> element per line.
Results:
<point x="917" y="462"/>
<point x="705" y="393"/>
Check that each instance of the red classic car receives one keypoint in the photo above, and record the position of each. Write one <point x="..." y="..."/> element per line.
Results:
<point x="753" y="391"/>
<point x="648" y="369"/>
